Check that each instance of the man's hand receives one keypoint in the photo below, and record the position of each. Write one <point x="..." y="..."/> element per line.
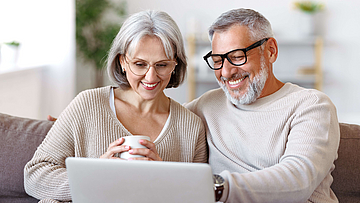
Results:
<point x="50" y="118"/>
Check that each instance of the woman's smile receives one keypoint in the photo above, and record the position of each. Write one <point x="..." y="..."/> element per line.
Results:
<point x="149" y="86"/>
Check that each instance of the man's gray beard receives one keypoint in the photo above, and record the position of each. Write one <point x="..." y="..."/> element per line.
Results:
<point x="254" y="90"/>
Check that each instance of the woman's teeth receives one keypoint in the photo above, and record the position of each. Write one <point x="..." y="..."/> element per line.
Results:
<point x="150" y="85"/>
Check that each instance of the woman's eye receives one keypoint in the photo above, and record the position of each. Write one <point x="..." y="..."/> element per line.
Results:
<point x="161" y="65"/>
<point x="140" y="65"/>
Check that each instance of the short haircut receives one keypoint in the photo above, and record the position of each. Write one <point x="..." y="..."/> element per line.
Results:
<point x="147" y="23"/>
<point x="259" y="27"/>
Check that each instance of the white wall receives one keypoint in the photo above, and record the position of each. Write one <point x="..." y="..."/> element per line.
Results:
<point x="46" y="31"/>
<point x="341" y="57"/>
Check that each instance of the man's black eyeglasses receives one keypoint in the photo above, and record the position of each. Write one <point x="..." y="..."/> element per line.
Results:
<point x="236" y="57"/>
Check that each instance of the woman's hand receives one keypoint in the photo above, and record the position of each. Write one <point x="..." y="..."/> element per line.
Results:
<point x="150" y="153"/>
<point x="114" y="148"/>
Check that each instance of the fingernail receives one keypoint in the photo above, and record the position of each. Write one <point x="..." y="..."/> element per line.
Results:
<point x="130" y="159"/>
<point x="130" y="151"/>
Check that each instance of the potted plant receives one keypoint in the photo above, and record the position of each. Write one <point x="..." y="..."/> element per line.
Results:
<point x="97" y="23"/>
<point x="307" y="21"/>
<point x="9" y="54"/>
<point x="309" y="7"/>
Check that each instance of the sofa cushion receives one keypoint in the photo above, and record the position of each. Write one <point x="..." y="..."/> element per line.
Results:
<point x="19" y="139"/>
<point x="346" y="175"/>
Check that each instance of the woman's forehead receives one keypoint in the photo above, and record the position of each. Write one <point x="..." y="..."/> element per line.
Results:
<point x="150" y="44"/>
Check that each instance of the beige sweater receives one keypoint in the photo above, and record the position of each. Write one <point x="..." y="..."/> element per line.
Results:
<point x="281" y="148"/>
<point x="87" y="127"/>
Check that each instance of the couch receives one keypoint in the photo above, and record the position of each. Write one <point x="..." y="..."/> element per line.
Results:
<point x="21" y="136"/>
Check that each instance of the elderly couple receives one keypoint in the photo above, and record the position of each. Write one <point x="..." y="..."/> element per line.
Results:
<point x="269" y="141"/>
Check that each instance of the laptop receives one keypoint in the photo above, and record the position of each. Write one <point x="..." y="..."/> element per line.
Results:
<point x="107" y="180"/>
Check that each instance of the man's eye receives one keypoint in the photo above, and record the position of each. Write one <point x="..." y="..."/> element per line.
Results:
<point x="216" y="60"/>
<point x="237" y="58"/>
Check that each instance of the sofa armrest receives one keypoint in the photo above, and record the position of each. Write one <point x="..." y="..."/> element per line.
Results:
<point x="347" y="167"/>
<point x="19" y="139"/>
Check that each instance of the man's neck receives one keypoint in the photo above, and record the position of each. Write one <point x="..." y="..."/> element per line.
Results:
<point x="272" y="85"/>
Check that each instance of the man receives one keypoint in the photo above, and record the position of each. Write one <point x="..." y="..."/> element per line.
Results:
<point x="270" y="141"/>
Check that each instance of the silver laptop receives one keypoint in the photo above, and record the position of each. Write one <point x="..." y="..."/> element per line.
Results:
<point x="106" y="180"/>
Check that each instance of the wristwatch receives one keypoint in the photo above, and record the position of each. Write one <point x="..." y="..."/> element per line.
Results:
<point x="218" y="186"/>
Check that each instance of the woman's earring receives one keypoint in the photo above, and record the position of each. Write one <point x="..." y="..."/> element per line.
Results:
<point x="173" y="72"/>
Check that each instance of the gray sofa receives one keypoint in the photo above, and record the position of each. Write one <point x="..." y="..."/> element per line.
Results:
<point x="21" y="136"/>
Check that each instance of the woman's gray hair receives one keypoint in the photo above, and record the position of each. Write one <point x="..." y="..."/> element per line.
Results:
<point x="147" y="23"/>
<point x="259" y="27"/>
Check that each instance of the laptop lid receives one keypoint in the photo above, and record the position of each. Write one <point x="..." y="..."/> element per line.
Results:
<point x="107" y="180"/>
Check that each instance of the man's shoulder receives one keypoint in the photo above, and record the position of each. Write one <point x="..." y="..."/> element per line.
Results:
<point x="307" y="93"/>
<point x="306" y="96"/>
<point x="210" y="99"/>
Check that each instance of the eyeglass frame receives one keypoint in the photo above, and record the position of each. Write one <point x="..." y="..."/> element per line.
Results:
<point x="149" y="65"/>
<point x="223" y="56"/>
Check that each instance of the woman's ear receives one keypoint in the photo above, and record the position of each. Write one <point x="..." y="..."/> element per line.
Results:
<point x="121" y="61"/>
<point x="272" y="49"/>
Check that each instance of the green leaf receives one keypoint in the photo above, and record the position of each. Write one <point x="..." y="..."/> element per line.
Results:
<point x="93" y="36"/>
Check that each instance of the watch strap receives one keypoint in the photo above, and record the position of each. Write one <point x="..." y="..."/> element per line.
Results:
<point x="219" y="192"/>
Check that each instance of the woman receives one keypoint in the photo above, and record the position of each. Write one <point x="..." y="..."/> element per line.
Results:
<point x="146" y="57"/>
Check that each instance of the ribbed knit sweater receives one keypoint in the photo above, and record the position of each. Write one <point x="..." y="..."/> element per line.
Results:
<point x="86" y="128"/>
<point x="281" y="148"/>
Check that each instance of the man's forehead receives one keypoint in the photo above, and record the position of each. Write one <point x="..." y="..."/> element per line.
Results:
<point x="236" y="37"/>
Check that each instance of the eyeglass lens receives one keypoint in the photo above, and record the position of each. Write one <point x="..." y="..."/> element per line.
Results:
<point x="236" y="57"/>
<point x="162" y="68"/>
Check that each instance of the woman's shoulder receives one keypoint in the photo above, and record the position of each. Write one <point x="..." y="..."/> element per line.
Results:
<point x="95" y="92"/>
<point x="181" y="112"/>
<point x="88" y="98"/>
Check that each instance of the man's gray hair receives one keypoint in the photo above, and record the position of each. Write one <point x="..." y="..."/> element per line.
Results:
<point x="259" y="27"/>
<point x="147" y="23"/>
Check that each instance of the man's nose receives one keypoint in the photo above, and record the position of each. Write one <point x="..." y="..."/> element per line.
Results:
<point x="228" y="69"/>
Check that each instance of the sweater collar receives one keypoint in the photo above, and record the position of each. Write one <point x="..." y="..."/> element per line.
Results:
<point x="264" y="100"/>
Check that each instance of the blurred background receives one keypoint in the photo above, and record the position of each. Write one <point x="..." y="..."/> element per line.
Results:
<point x="52" y="50"/>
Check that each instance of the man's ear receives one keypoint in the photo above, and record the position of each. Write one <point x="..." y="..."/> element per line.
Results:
<point x="272" y="50"/>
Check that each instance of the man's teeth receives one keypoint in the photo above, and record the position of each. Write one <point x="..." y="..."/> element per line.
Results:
<point x="150" y="85"/>
<point x="234" y="82"/>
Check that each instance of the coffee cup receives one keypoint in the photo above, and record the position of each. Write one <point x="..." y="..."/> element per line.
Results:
<point x="133" y="142"/>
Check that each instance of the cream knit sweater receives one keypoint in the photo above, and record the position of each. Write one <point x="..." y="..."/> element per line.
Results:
<point x="87" y="127"/>
<point x="281" y="148"/>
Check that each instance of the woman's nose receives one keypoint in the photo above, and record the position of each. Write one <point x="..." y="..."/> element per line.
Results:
<point x="151" y="74"/>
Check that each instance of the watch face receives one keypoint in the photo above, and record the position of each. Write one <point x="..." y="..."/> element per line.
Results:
<point x="218" y="180"/>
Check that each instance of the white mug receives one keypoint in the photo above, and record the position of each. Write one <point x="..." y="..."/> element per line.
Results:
<point x="133" y="142"/>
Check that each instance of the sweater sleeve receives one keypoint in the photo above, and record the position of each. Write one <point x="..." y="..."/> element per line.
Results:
<point x="311" y="149"/>
<point x="45" y="175"/>
<point x="201" y="150"/>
